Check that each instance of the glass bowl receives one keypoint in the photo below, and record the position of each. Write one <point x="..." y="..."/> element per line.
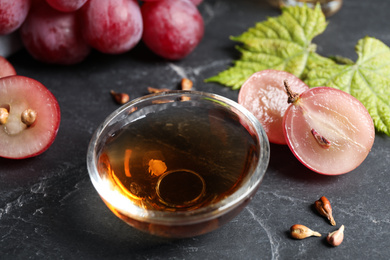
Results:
<point x="179" y="163"/>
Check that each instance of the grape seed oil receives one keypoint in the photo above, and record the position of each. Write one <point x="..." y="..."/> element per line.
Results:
<point x="179" y="159"/>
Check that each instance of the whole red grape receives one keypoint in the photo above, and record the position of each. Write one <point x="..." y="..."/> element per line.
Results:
<point x="195" y="2"/>
<point x="172" y="28"/>
<point x="52" y="36"/>
<point x="12" y="14"/>
<point x="66" y="5"/>
<point x="112" y="26"/>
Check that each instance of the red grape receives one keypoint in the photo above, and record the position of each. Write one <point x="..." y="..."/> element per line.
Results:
<point x="196" y="2"/>
<point x="264" y="95"/>
<point x="18" y="139"/>
<point x="329" y="130"/>
<point x="52" y="36"/>
<point x="112" y="26"/>
<point x="12" y="14"/>
<point x="66" y="5"/>
<point x="172" y="28"/>
<point x="6" y="68"/>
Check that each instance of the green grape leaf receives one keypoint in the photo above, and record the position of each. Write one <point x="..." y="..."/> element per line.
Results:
<point x="281" y="43"/>
<point x="368" y="79"/>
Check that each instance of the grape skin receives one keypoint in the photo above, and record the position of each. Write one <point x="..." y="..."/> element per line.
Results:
<point x="172" y="28"/>
<point x="195" y="2"/>
<point x="12" y="14"/>
<point x="66" y="5"/>
<point x="112" y="26"/>
<point x="6" y="68"/>
<point x="52" y="36"/>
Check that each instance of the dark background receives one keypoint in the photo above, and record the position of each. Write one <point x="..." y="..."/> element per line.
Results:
<point x="50" y="210"/>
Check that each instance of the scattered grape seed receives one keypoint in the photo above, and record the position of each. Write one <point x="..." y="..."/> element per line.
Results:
<point x="336" y="237"/>
<point x="157" y="90"/>
<point x="325" y="209"/>
<point x="120" y="98"/>
<point x="186" y="84"/>
<point x="299" y="231"/>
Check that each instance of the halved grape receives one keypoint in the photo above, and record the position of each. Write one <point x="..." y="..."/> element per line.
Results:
<point x="23" y="135"/>
<point x="112" y="26"/>
<point x="172" y="28"/>
<point x="265" y="96"/>
<point x="329" y="130"/>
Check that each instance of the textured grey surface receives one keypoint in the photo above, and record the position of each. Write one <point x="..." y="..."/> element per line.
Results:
<point x="49" y="209"/>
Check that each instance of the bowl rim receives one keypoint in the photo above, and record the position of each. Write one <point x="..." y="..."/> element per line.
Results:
<point x="244" y="192"/>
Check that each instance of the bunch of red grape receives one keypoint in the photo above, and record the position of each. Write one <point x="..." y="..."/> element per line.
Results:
<point x="64" y="31"/>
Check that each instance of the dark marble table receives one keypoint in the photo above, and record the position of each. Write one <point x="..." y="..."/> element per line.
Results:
<point x="50" y="210"/>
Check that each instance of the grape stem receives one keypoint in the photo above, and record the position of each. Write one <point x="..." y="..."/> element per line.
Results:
<point x="292" y="96"/>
